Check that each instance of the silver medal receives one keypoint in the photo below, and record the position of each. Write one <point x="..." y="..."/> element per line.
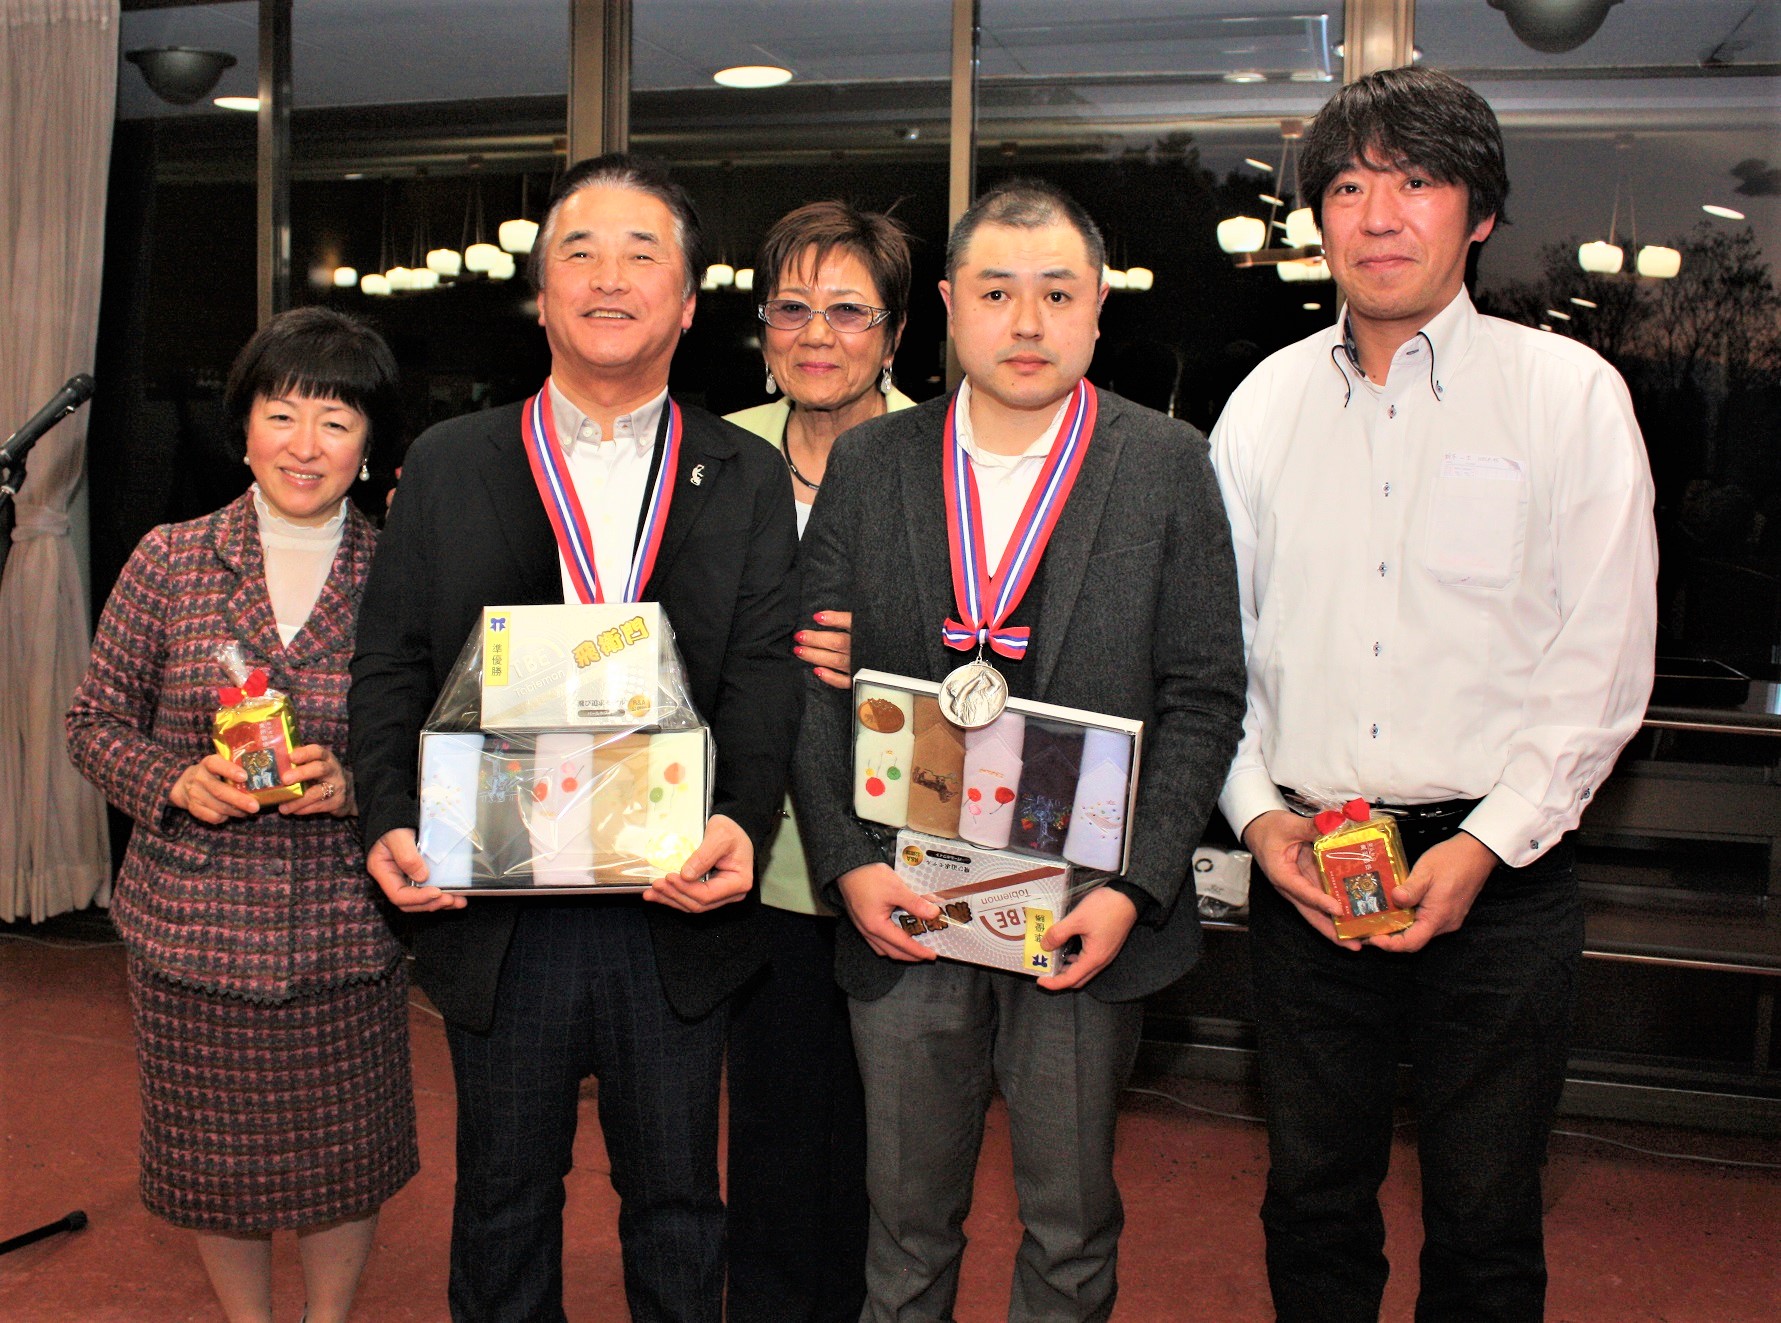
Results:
<point x="973" y="695"/>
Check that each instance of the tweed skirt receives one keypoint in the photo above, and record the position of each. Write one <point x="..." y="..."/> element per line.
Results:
<point x="264" y="1116"/>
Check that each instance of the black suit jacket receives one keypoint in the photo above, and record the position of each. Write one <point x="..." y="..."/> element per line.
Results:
<point x="1137" y="618"/>
<point x="469" y="530"/>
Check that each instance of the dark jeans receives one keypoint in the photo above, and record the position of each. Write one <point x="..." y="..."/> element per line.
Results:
<point x="1483" y="1016"/>
<point x="579" y="995"/>
<point x="797" y="1155"/>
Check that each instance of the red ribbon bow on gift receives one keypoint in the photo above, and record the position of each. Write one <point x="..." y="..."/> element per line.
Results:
<point x="230" y="696"/>
<point x="1355" y="810"/>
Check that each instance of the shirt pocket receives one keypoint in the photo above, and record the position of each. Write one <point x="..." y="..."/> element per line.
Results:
<point x="1477" y="518"/>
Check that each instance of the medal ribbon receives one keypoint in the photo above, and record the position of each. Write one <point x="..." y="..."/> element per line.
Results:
<point x="972" y="583"/>
<point x="557" y="488"/>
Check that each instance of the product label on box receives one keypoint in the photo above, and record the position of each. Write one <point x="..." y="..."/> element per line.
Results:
<point x="995" y="906"/>
<point x="550" y="666"/>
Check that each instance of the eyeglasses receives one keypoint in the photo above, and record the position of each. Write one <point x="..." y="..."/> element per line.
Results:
<point x="792" y="314"/>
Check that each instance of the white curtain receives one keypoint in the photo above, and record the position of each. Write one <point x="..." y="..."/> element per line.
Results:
<point x="58" y="94"/>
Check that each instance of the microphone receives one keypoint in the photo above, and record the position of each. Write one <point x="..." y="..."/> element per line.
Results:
<point x="75" y="392"/>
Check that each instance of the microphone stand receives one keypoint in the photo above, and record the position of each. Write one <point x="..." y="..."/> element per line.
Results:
<point x="8" y="461"/>
<point x="72" y="1222"/>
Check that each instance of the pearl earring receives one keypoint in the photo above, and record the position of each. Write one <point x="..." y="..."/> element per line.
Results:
<point x="884" y="381"/>
<point x="772" y="385"/>
<point x="364" y="470"/>
<point x="246" y="460"/>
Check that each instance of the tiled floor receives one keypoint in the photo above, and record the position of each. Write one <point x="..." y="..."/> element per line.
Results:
<point x="1631" y="1238"/>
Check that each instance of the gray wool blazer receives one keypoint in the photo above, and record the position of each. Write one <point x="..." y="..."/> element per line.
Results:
<point x="1138" y="619"/>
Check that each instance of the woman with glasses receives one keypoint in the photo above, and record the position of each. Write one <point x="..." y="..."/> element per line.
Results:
<point x="837" y="294"/>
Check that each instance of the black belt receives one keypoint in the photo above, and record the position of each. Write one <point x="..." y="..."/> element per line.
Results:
<point x="1440" y="811"/>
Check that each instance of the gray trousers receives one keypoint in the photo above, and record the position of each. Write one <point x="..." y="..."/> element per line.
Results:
<point x="930" y="1052"/>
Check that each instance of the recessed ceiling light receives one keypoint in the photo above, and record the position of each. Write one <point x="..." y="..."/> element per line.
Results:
<point x="1726" y="213"/>
<point x="353" y="174"/>
<point x="1556" y="315"/>
<point x="752" y="75"/>
<point x="1259" y="165"/>
<point x="1311" y="307"/>
<point x="1545" y="326"/>
<point x="1270" y="199"/>
<point x="1582" y="303"/>
<point x="237" y="102"/>
<point x="1246" y="76"/>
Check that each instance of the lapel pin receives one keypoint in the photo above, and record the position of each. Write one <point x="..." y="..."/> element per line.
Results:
<point x="698" y="474"/>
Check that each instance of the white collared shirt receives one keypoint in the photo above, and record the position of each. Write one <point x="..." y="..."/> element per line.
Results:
<point x="1448" y="583"/>
<point x="611" y="476"/>
<point x="1003" y="481"/>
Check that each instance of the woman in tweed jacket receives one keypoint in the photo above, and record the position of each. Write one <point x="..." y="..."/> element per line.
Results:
<point x="269" y="998"/>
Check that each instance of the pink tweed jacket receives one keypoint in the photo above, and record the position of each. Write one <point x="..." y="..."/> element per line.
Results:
<point x="265" y="907"/>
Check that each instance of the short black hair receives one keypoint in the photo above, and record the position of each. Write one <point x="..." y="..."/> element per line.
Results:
<point x="625" y="170"/>
<point x="317" y="353"/>
<point x="817" y="229"/>
<point x="1025" y="204"/>
<point x="1413" y="117"/>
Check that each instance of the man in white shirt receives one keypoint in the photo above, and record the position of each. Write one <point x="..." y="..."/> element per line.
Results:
<point x="1447" y="562"/>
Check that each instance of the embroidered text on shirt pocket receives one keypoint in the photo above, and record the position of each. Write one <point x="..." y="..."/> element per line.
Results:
<point x="1476" y="518"/>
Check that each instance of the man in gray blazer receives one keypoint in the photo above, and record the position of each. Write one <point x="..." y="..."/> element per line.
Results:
<point x="1132" y="612"/>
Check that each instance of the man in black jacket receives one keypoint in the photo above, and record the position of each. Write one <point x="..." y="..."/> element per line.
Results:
<point x="539" y="993"/>
<point x="1132" y="612"/>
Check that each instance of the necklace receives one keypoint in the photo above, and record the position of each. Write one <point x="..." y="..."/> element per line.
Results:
<point x="785" y="448"/>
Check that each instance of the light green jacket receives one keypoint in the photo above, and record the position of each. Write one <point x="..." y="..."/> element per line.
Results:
<point x="785" y="881"/>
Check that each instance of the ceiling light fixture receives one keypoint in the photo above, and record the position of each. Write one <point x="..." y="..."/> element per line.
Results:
<point x="1259" y="165"/>
<point x="1246" y="237"/>
<point x="1582" y="303"/>
<point x="752" y="76"/>
<point x="1139" y="278"/>
<point x="1607" y="258"/>
<point x="345" y="277"/>
<point x="1554" y="26"/>
<point x="250" y="103"/>
<point x="181" y="75"/>
<point x="1724" y="213"/>
<point x="1246" y="76"/>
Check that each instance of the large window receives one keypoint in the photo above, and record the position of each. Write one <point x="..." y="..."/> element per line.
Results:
<point x="424" y="125"/>
<point x="862" y="118"/>
<point x="1164" y="120"/>
<point x="1657" y="140"/>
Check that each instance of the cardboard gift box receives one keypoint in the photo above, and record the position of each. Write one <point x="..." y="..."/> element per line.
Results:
<point x="1059" y="782"/>
<point x="995" y="905"/>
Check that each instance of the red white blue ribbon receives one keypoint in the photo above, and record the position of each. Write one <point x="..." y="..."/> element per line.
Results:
<point x="972" y="584"/>
<point x="557" y="488"/>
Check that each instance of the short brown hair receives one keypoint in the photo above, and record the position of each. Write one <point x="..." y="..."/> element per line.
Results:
<point x="880" y="241"/>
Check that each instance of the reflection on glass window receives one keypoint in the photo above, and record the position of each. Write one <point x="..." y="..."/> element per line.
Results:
<point x="1174" y="124"/>
<point x="760" y="108"/>
<point x="1645" y="155"/>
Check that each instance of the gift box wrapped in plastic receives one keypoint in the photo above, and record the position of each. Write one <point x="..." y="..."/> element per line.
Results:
<point x="564" y="754"/>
